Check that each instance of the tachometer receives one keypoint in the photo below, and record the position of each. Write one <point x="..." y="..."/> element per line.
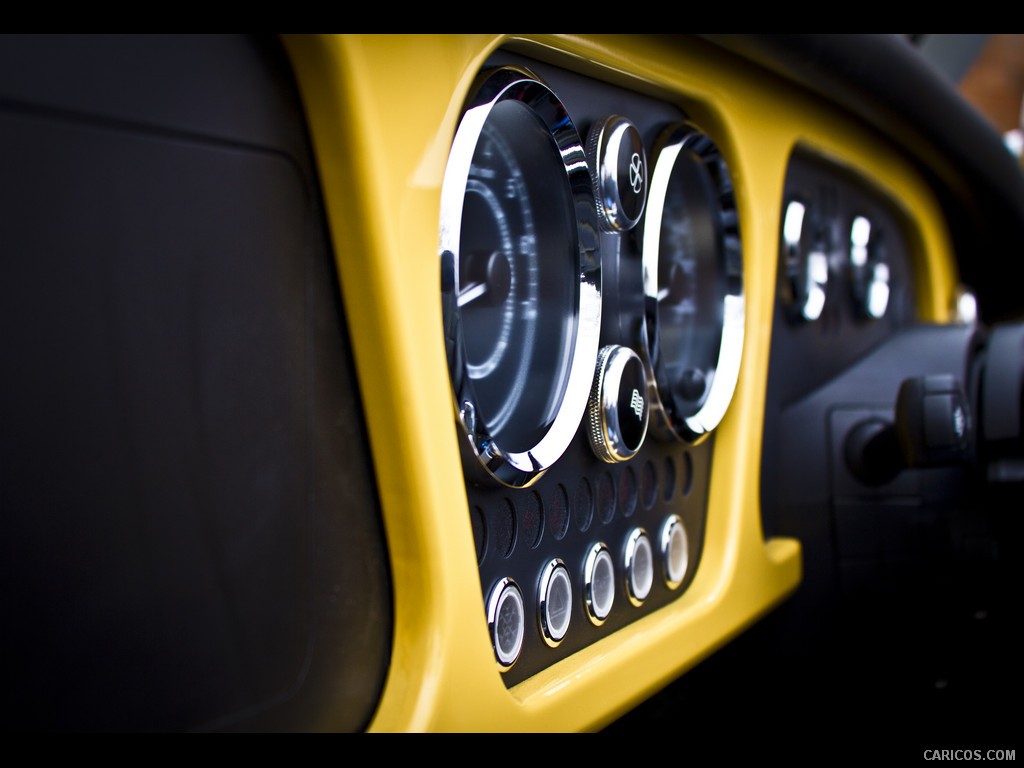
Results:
<point x="520" y="276"/>
<point x="693" y="284"/>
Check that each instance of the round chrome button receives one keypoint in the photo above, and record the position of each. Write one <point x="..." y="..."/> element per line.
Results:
<point x="615" y="151"/>
<point x="674" y="550"/>
<point x="506" y="621"/>
<point x="599" y="583"/>
<point x="639" y="564"/>
<point x="618" y="411"/>
<point x="555" y="596"/>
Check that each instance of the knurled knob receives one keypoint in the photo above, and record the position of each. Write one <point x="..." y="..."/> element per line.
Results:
<point x="618" y="410"/>
<point x="618" y="164"/>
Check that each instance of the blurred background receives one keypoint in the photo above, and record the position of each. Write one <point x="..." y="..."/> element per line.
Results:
<point x="988" y="70"/>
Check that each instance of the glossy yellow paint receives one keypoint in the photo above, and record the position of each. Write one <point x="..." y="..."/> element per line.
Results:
<point x="383" y="110"/>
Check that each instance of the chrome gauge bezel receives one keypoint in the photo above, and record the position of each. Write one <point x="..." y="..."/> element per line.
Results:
<point x="728" y="312"/>
<point x="805" y="254"/>
<point x="520" y="467"/>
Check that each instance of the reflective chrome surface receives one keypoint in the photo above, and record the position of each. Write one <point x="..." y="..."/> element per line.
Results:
<point x="675" y="550"/>
<point x="555" y="607"/>
<point x="806" y="264"/>
<point x="639" y="566"/>
<point x="694" y="306"/>
<point x="520" y="276"/>
<point x="869" y="271"/>
<point x="599" y="583"/>
<point x="619" y="407"/>
<point x="506" y="621"/>
<point x="615" y="151"/>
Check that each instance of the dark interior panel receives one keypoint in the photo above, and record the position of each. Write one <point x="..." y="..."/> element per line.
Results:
<point x="191" y="537"/>
<point x="904" y="631"/>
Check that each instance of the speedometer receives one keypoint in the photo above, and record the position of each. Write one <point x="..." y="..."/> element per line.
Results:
<point x="520" y="276"/>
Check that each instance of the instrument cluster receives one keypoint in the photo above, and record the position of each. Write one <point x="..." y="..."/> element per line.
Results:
<point x="591" y="277"/>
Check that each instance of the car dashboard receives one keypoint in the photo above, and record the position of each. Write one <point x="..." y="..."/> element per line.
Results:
<point x="505" y="383"/>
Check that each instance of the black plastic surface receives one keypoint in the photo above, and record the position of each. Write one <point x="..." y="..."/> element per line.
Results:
<point x="871" y="547"/>
<point x="870" y="540"/>
<point x="1003" y="384"/>
<point x="191" y="537"/>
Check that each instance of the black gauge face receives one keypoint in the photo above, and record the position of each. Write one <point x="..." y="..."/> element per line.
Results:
<point x="691" y="284"/>
<point x="693" y="294"/>
<point x="520" y="276"/>
<point x="517" y="278"/>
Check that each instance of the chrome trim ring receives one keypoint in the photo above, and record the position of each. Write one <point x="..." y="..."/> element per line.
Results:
<point x="554" y="602"/>
<point x="615" y="151"/>
<point x="618" y="412"/>
<point x="691" y="417"/>
<point x="506" y="622"/>
<point x="869" y="272"/>
<point x="639" y="566"/>
<point x="806" y="263"/>
<point x="675" y="551"/>
<point x="521" y="465"/>
<point x="598" y="583"/>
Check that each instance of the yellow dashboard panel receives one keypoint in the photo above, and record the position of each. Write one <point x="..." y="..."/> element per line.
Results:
<point x="626" y="384"/>
<point x="383" y="110"/>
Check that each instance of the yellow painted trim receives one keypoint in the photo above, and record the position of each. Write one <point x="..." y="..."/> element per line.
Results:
<point x="382" y="111"/>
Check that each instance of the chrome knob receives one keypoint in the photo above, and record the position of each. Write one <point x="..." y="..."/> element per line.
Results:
<point x="619" y="409"/>
<point x="618" y="163"/>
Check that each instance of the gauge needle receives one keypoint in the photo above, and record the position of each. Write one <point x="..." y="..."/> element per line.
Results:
<point x="496" y="282"/>
<point x="471" y="292"/>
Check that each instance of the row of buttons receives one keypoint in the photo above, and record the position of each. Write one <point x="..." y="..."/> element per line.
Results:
<point x="506" y="610"/>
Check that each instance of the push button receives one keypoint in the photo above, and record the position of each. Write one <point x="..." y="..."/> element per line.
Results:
<point x="599" y="583"/>
<point x="619" y="409"/>
<point x="506" y="621"/>
<point x="674" y="550"/>
<point x="639" y="566"/>
<point x="615" y="152"/>
<point x="555" y="597"/>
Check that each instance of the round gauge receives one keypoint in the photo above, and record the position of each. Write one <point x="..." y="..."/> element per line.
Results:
<point x="869" y="271"/>
<point x="520" y="276"/>
<point x="805" y="261"/>
<point x="693" y="285"/>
